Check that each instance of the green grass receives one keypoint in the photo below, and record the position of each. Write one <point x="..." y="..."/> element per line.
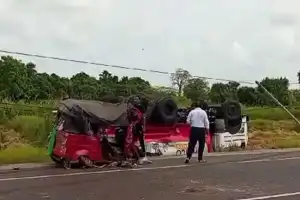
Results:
<point x="34" y="129"/>
<point x="25" y="154"/>
<point x="271" y="113"/>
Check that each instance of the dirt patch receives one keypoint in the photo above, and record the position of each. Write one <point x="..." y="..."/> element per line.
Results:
<point x="273" y="134"/>
<point x="10" y="139"/>
<point x="199" y="187"/>
<point x="276" y="139"/>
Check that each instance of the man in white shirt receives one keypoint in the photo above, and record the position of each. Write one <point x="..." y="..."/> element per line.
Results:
<point x="198" y="120"/>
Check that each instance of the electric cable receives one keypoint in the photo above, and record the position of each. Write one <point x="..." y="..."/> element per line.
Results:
<point x="112" y="66"/>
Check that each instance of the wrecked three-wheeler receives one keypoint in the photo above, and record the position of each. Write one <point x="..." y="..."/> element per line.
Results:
<point x="80" y="133"/>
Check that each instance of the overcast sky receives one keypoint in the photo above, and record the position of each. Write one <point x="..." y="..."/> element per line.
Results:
<point x="231" y="39"/>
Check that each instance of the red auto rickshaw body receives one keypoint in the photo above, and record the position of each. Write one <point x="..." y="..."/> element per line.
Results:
<point x="81" y="129"/>
<point x="70" y="146"/>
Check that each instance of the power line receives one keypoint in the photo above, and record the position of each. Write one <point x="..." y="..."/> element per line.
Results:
<point x="112" y="66"/>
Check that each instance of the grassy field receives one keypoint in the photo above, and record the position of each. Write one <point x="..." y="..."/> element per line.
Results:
<point x="25" y="154"/>
<point x="273" y="128"/>
<point x="24" y="129"/>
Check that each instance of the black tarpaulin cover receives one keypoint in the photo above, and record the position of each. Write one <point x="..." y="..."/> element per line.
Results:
<point x="95" y="111"/>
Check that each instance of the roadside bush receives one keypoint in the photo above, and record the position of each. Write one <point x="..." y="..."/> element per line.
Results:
<point x="34" y="129"/>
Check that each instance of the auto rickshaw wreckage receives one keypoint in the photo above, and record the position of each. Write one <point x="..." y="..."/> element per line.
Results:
<point x="81" y="132"/>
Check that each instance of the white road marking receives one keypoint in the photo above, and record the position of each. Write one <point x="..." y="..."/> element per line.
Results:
<point x="238" y="153"/>
<point x="136" y="169"/>
<point x="269" y="160"/>
<point x="273" y="196"/>
<point x="90" y="173"/>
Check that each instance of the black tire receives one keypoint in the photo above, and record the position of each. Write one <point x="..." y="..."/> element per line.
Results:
<point x="232" y="116"/>
<point x="150" y="111"/>
<point x="232" y="110"/>
<point x="165" y="111"/>
<point x="56" y="160"/>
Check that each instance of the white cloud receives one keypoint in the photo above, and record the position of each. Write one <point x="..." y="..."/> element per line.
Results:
<point x="228" y="39"/>
<point x="241" y="54"/>
<point x="285" y="35"/>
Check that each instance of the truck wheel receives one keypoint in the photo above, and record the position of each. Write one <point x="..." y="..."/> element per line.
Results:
<point x="232" y="116"/>
<point x="163" y="110"/>
<point x="178" y="153"/>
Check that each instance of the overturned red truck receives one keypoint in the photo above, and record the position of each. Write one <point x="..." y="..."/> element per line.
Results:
<point x="101" y="133"/>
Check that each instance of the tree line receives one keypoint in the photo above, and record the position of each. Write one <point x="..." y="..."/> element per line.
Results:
<point x="21" y="81"/>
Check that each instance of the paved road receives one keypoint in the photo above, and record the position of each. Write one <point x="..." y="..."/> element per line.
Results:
<point x="221" y="178"/>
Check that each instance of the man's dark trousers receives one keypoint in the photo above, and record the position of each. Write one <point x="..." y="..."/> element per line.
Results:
<point x="196" y="135"/>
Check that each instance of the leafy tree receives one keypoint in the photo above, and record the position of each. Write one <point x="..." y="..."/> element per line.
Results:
<point x="218" y="93"/>
<point x="221" y="92"/>
<point x="247" y="95"/>
<point x="233" y="89"/>
<point x="21" y="81"/>
<point x="296" y="95"/>
<point x="196" y="89"/>
<point x="279" y="87"/>
<point x="15" y="81"/>
<point x="42" y="87"/>
<point x="165" y="90"/>
<point x="137" y="84"/>
<point x="180" y="78"/>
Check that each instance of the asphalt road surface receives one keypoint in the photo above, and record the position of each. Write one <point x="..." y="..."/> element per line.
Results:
<point x="236" y="177"/>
